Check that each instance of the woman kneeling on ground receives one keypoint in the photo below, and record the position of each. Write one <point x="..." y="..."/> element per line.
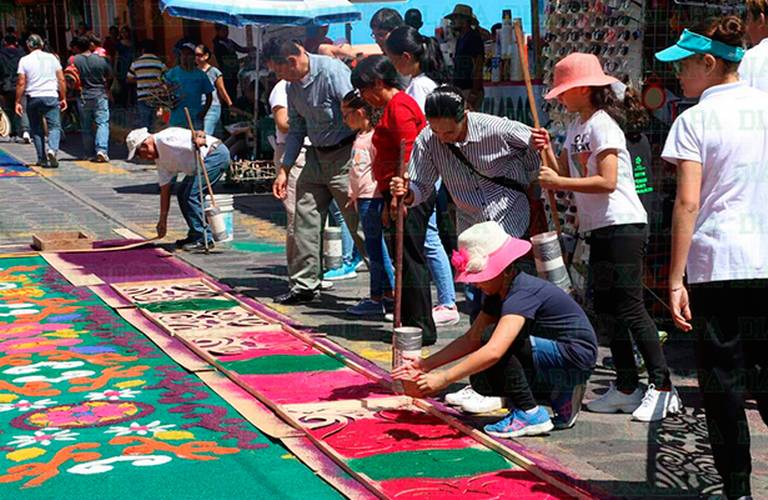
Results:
<point x="537" y="333"/>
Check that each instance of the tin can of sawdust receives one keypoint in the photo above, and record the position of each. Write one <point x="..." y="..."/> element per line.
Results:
<point x="406" y="346"/>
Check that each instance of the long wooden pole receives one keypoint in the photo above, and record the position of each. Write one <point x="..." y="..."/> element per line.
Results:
<point x="399" y="236"/>
<point x="199" y="160"/>
<point x="522" y="52"/>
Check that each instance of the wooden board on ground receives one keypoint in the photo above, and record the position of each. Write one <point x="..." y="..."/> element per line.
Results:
<point x="62" y="240"/>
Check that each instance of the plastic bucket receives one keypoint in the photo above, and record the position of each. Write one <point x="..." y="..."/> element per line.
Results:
<point x="225" y="206"/>
<point x="549" y="260"/>
<point x="332" y="251"/>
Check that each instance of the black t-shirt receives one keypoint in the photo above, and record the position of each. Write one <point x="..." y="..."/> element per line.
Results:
<point x="9" y="64"/>
<point x="94" y="71"/>
<point x="554" y="315"/>
<point x="468" y="47"/>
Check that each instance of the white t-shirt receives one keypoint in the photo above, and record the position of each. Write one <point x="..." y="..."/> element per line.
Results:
<point x="176" y="155"/>
<point x="754" y="67"/>
<point x="39" y="68"/>
<point x="584" y="143"/>
<point x="727" y="132"/>
<point x="279" y="98"/>
<point x="420" y="87"/>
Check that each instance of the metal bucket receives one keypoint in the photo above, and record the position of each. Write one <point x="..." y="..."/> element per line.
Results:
<point x="549" y="260"/>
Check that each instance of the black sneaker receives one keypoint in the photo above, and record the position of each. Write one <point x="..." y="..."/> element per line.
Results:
<point x="293" y="298"/>
<point x="197" y="246"/>
<point x="180" y="243"/>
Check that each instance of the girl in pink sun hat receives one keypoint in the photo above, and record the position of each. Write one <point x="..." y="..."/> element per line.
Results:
<point x="528" y="329"/>
<point x="596" y="166"/>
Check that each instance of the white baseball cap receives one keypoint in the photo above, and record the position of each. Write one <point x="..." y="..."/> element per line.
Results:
<point x="135" y="139"/>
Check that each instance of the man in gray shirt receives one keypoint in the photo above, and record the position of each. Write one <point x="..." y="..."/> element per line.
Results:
<point x="318" y="84"/>
<point x="93" y="105"/>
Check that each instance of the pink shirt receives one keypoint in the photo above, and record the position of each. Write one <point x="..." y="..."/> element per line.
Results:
<point x="361" y="181"/>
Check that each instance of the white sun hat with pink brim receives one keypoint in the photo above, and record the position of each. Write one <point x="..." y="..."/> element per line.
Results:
<point x="485" y="251"/>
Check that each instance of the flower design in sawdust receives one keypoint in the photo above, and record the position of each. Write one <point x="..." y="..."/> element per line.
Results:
<point x="112" y="395"/>
<point x="25" y="405"/>
<point x="43" y="437"/>
<point x="139" y="429"/>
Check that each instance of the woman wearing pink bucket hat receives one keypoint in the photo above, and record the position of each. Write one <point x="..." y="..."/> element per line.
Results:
<point x="529" y="329"/>
<point x="596" y="166"/>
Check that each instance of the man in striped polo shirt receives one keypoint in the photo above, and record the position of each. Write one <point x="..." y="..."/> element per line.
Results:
<point x="146" y="72"/>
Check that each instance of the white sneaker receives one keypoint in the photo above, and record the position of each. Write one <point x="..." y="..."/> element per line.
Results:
<point x="326" y="285"/>
<point x="26" y="138"/>
<point x="615" y="401"/>
<point x="459" y="397"/>
<point x="477" y="403"/>
<point x="656" y="405"/>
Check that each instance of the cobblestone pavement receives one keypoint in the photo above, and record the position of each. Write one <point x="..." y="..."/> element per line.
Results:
<point x="626" y="459"/>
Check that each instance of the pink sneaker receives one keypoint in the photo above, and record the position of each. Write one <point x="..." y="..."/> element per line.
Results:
<point x="445" y="315"/>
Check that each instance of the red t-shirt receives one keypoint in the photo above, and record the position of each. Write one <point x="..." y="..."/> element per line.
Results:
<point x="402" y="119"/>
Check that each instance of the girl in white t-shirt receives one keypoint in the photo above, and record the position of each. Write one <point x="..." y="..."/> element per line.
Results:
<point x="596" y="166"/>
<point x="365" y="197"/>
<point x="720" y="236"/>
<point x="420" y="58"/>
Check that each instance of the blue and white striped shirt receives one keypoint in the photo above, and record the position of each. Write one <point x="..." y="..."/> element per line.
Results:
<point x="496" y="147"/>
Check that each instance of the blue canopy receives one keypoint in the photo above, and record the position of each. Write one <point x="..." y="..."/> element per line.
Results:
<point x="263" y="12"/>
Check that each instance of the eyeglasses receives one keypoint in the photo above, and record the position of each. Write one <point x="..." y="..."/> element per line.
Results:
<point x="381" y="35"/>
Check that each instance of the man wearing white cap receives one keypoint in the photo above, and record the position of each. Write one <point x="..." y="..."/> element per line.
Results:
<point x="173" y="151"/>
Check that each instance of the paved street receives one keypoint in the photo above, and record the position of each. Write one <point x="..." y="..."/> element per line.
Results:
<point x="623" y="458"/>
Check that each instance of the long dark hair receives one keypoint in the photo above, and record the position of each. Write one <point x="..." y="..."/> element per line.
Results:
<point x="372" y="69"/>
<point x="629" y="113"/>
<point x="425" y="49"/>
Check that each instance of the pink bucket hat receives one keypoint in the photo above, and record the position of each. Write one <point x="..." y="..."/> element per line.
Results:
<point x="485" y="250"/>
<point x="578" y="70"/>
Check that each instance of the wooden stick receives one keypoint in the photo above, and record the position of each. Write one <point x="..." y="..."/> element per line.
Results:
<point x="399" y="236"/>
<point x="522" y="52"/>
<point x="199" y="159"/>
<point x="129" y="246"/>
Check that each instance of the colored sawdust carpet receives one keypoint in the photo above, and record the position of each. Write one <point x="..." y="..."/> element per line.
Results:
<point x="89" y="408"/>
<point x="11" y="167"/>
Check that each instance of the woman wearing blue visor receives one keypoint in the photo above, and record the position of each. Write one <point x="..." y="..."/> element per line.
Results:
<point x="718" y="283"/>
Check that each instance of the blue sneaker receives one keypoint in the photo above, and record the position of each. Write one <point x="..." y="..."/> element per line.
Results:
<point x="346" y="272"/>
<point x="521" y="423"/>
<point x="367" y="307"/>
<point x="566" y="406"/>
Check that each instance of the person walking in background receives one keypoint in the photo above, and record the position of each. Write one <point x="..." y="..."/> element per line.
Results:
<point x="10" y="55"/>
<point x="382" y="23"/>
<point x="365" y="197"/>
<point x="213" y="116"/>
<point x="413" y="19"/>
<point x="754" y="67"/>
<point x="317" y="86"/>
<point x="41" y="80"/>
<point x="719" y="241"/>
<point x="401" y="121"/>
<point x="192" y="88"/>
<point x="469" y="57"/>
<point x="93" y="104"/>
<point x="146" y="73"/>
<point x="226" y="51"/>
<point x="278" y="101"/>
<point x="595" y="165"/>
<point x="125" y="54"/>
<point x="419" y="58"/>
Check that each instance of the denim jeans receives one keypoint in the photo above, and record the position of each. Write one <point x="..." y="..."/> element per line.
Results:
<point x="39" y="108"/>
<point x="348" y="251"/>
<point x="188" y="192"/>
<point x="211" y="121"/>
<point x="437" y="261"/>
<point x="146" y="115"/>
<point x="382" y="275"/>
<point x="552" y="368"/>
<point x="96" y="111"/>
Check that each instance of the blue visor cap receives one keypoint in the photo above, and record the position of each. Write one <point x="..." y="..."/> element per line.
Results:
<point x="691" y="43"/>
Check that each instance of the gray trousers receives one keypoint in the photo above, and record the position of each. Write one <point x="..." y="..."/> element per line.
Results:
<point x="325" y="176"/>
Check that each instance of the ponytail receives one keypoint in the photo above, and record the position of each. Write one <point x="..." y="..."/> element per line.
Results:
<point x="628" y="111"/>
<point x="426" y="51"/>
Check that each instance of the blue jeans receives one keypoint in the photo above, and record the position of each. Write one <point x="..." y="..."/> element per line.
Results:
<point x="382" y="275"/>
<point x="211" y="121"/>
<point x="94" y="111"/>
<point x="39" y="108"/>
<point x="552" y="368"/>
<point x="188" y="193"/>
<point x="146" y="115"/>
<point x="438" y="263"/>
<point x="348" y="251"/>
